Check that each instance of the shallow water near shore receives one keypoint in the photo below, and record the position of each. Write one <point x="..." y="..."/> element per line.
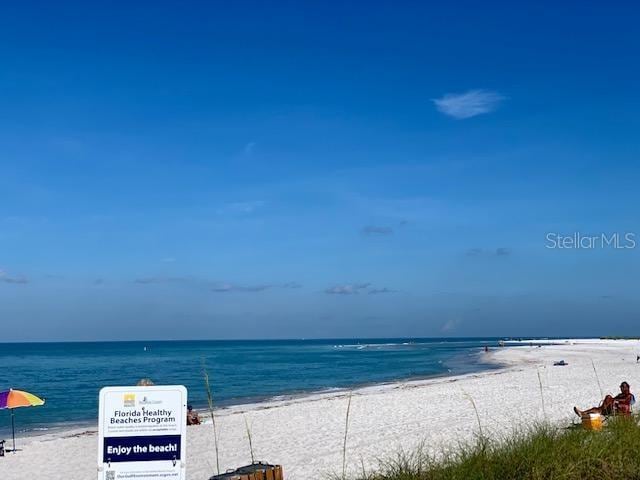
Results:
<point x="70" y="375"/>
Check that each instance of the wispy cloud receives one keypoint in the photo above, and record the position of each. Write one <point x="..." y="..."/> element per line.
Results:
<point x="377" y="291"/>
<point x="450" y="325"/>
<point x="234" y="287"/>
<point x="15" y="279"/>
<point x="349" y="289"/>
<point x="230" y="288"/>
<point x="376" y="230"/>
<point x="356" y="288"/>
<point x="216" y="286"/>
<point x="152" y="280"/>
<point x="468" y="104"/>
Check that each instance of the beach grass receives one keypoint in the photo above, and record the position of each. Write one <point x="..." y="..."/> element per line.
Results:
<point x="542" y="453"/>
<point x="346" y="434"/>
<point x="207" y="384"/>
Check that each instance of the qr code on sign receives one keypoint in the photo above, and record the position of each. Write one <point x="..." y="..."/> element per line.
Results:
<point x="110" y="475"/>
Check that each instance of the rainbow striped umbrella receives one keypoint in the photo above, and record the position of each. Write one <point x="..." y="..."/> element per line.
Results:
<point x="17" y="398"/>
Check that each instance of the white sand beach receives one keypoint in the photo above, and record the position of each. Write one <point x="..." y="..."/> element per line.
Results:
<point x="306" y="435"/>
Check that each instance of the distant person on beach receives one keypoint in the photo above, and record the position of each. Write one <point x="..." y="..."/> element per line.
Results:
<point x="192" y="416"/>
<point x="618" y="405"/>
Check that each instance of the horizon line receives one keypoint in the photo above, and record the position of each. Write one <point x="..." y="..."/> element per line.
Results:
<point x="304" y="339"/>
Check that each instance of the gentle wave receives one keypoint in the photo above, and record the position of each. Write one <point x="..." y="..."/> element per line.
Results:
<point x="70" y="375"/>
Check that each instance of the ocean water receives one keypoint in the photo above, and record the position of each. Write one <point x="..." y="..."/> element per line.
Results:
<point x="70" y="375"/>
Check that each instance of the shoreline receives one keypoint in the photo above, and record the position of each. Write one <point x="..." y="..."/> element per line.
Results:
<point x="464" y="362"/>
<point x="483" y="361"/>
<point x="306" y="434"/>
<point x="480" y="363"/>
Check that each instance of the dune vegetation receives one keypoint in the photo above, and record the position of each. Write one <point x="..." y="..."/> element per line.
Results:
<point x="542" y="453"/>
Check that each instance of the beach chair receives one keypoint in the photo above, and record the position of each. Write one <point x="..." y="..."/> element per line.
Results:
<point x="623" y="412"/>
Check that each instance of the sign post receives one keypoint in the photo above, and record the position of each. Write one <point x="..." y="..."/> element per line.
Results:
<point x="142" y="433"/>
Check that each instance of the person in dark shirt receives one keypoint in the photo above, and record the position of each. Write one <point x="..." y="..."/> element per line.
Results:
<point x="618" y="405"/>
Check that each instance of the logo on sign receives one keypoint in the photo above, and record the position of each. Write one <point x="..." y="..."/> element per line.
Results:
<point x="147" y="401"/>
<point x="129" y="399"/>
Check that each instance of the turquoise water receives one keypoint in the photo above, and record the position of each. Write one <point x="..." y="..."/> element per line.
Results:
<point x="69" y="375"/>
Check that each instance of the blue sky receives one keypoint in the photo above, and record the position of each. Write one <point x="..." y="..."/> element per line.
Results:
<point x="250" y="170"/>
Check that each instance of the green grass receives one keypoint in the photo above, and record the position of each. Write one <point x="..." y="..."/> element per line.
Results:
<point x="544" y="453"/>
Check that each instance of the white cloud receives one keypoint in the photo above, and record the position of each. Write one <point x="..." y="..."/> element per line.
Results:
<point x="468" y="104"/>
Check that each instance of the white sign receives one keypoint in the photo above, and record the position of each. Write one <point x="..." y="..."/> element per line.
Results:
<point x="142" y="433"/>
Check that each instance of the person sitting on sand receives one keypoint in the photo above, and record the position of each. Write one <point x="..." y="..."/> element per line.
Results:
<point x="618" y="405"/>
<point x="192" y="416"/>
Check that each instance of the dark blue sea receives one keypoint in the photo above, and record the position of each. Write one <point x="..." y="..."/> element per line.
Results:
<point x="70" y="375"/>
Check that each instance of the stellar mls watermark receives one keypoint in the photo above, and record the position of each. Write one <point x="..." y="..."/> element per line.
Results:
<point x="580" y="241"/>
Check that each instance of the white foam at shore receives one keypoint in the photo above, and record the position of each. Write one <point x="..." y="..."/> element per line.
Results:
<point x="306" y="434"/>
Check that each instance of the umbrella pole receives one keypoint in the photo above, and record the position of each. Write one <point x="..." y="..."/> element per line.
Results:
<point x="13" y="431"/>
